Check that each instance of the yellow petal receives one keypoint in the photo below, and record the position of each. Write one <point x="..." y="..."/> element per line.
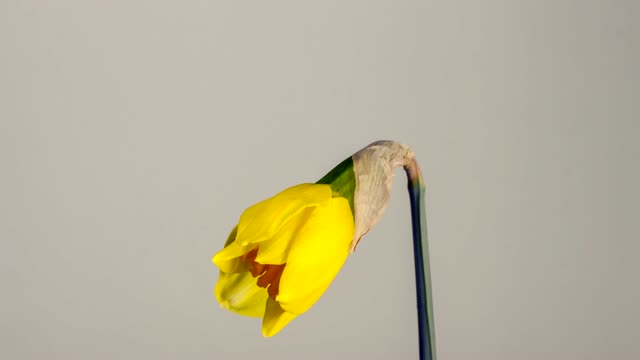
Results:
<point x="239" y="293"/>
<point x="228" y="259"/>
<point x="274" y="251"/>
<point x="316" y="255"/>
<point x="275" y="318"/>
<point x="263" y="220"/>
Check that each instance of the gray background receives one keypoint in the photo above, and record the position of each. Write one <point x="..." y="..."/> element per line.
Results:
<point x="134" y="133"/>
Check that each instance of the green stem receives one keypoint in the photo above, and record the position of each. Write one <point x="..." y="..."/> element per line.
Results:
<point x="426" y="331"/>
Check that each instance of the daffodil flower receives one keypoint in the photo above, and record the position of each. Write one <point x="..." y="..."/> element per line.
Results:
<point x="285" y="251"/>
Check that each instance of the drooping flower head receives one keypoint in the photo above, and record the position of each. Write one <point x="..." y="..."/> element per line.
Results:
<point x="286" y="250"/>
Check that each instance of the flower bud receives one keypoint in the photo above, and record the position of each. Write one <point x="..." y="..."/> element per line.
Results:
<point x="286" y="250"/>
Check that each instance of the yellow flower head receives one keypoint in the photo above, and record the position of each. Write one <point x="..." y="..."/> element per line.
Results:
<point x="283" y="254"/>
<point x="285" y="251"/>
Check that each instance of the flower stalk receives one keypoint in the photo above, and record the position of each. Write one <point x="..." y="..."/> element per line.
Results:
<point x="424" y="299"/>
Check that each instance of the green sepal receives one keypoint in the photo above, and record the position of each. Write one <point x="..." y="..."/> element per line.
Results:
<point x="342" y="181"/>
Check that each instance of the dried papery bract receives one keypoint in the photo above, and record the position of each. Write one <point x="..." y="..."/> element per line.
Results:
<point x="373" y="167"/>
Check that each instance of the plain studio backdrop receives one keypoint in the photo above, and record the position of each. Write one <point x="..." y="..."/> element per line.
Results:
<point x="134" y="134"/>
